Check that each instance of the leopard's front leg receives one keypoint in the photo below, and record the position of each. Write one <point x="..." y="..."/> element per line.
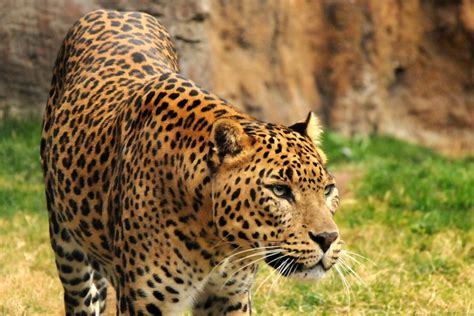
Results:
<point x="227" y="292"/>
<point x="231" y="304"/>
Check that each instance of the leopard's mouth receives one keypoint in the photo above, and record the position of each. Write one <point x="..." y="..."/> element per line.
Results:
<point x="289" y="266"/>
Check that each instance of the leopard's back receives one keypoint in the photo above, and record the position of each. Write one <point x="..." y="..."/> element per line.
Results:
<point x="105" y="59"/>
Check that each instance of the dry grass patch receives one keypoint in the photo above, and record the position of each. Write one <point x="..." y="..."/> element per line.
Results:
<point x="28" y="279"/>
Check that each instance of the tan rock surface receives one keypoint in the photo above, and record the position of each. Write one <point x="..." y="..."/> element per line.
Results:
<point x="404" y="68"/>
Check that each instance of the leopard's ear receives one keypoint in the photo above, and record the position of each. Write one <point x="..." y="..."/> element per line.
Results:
<point x="230" y="143"/>
<point x="311" y="127"/>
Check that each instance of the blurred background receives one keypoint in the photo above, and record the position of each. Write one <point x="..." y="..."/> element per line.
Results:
<point x="403" y="68"/>
<point x="393" y="82"/>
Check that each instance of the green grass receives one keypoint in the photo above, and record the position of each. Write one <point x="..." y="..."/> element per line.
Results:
<point x="408" y="209"/>
<point x="415" y="184"/>
<point x="21" y="184"/>
<point x="28" y="280"/>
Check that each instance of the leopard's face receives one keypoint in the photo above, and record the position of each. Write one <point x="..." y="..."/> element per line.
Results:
<point x="275" y="195"/>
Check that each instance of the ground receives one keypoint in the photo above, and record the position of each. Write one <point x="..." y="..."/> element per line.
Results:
<point x="407" y="212"/>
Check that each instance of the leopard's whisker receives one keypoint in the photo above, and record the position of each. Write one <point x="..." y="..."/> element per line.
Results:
<point x="265" y="280"/>
<point x="253" y="255"/>
<point x="281" y="273"/>
<point x="233" y="253"/>
<point x="360" y="256"/>
<point x="350" y="257"/>
<point x="346" y="285"/>
<point x="351" y="271"/>
<point x="227" y="259"/>
<point x="272" y="273"/>
<point x="248" y="250"/>
<point x="264" y="254"/>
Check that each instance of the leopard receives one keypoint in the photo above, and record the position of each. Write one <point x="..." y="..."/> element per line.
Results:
<point x="166" y="192"/>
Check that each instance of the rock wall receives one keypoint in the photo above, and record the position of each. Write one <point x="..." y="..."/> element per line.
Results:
<point x="30" y="35"/>
<point x="404" y="68"/>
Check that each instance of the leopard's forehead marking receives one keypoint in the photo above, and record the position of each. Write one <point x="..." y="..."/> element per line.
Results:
<point x="288" y="155"/>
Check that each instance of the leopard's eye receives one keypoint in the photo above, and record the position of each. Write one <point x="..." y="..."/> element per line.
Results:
<point x="282" y="191"/>
<point x="328" y="190"/>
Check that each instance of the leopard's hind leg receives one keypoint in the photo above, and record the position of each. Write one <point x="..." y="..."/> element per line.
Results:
<point x="85" y="289"/>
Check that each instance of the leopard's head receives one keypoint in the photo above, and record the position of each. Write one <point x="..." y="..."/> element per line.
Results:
<point x="273" y="193"/>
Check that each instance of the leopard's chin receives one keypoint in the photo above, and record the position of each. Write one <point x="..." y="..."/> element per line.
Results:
<point x="315" y="272"/>
<point x="289" y="267"/>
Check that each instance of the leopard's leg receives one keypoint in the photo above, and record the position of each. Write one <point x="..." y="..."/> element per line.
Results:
<point x="159" y="299"/>
<point x="101" y="285"/>
<point x="215" y="304"/>
<point x="82" y="284"/>
<point x="227" y="294"/>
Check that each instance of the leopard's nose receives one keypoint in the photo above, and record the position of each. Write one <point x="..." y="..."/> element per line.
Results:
<point x="324" y="240"/>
